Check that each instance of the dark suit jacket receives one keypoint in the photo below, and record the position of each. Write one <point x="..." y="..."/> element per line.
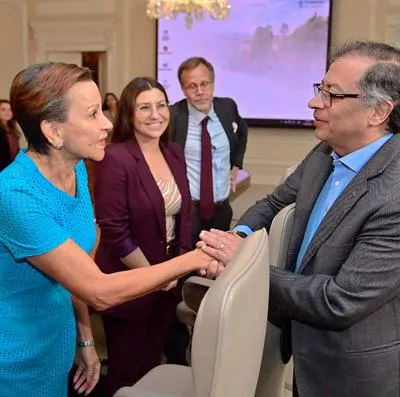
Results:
<point x="130" y="211"/>
<point x="227" y="112"/>
<point x="344" y="304"/>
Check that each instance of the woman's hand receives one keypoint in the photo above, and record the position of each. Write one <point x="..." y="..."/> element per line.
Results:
<point x="88" y="372"/>
<point x="233" y="178"/>
<point x="205" y="264"/>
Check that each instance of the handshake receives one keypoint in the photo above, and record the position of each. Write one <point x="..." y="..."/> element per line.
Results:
<point x="220" y="247"/>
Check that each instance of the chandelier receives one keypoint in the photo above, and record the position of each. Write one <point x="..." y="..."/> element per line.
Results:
<point x="193" y="9"/>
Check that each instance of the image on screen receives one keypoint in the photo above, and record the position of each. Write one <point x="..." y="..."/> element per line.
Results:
<point x="266" y="55"/>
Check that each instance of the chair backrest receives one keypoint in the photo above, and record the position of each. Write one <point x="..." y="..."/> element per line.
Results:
<point x="288" y="172"/>
<point x="228" y="337"/>
<point x="271" y="381"/>
<point x="279" y="234"/>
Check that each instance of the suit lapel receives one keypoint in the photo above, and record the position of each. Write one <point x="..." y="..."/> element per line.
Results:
<point x="224" y="117"/>
<point x="149" y="185"/>
<point x="180" y="178"/>
<point x="181" y="121"/>
<point x="356" y="189"/>
<point x="341" y="207"/>
<point x="175" y="168"/>
<point x="319" y="168"/>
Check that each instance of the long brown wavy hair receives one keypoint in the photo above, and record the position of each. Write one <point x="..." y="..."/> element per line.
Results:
<point x="124" y="126"/>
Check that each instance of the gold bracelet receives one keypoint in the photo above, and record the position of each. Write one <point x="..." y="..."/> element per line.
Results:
<point x="85" y="343"/>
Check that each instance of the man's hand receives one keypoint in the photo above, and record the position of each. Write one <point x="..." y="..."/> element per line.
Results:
<point x="233" y="178"/>
<point x="221" y="245"/>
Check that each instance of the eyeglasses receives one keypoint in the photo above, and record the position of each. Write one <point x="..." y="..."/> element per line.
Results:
<point x="193" y="87"/>
<point x="326" y="96"/>
<point x="146" y="109"/>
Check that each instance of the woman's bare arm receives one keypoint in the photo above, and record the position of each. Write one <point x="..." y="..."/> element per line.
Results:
<point x="75" y="270"/>
<point x="135" y="259"/>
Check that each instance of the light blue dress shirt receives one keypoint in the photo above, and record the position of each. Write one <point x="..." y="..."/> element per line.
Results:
<point x="220" y="154"/>
<point x="345" y="168"/>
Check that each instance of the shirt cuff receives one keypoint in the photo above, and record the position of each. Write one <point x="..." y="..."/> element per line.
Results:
<point x="244" y="229"/>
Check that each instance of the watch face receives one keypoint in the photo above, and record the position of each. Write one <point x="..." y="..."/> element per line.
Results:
<point x="240" y="234"/>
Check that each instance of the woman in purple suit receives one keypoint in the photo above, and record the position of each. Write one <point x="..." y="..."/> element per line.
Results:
<point x="143" y="208"/>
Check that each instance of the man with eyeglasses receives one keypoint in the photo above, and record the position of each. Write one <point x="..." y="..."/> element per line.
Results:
<point x="211" y="178"/>
<point x="338" y="299"/>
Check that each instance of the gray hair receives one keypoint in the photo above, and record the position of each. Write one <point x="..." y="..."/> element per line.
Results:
<point x="369" y="49"/>
<point x="192" y="63"/>
<point x="381" y="81"/>
<point x="381" y="84"/>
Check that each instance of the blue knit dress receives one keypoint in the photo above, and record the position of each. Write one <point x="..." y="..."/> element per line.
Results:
<point x="37" y="322"/>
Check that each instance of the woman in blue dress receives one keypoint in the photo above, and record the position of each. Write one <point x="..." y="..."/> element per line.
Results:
<point x="47" y="229"/>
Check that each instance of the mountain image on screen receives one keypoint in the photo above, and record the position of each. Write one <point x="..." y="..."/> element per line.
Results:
<point x="266" y="55"/>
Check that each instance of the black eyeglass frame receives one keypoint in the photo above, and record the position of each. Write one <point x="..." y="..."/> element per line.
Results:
<point x="318" y="89"/>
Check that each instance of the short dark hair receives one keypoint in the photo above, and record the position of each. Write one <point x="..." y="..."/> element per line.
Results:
<point x="38" y="93"/>
<point x="192" y="63"/>
<point x="381" y="81"/>
<point x="124" y="127"/>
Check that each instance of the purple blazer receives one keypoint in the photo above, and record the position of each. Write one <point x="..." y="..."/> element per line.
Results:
<point x="130" y="211"/>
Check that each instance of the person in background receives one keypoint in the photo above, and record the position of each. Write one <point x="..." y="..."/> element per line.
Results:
<point x="143" y="208"/>
<point x="47" y="229"/>
<point x="338" y="300"/>
<point x="214" y="138"/>
<point x="110" y="108"/>
<point x="9" y="128"/>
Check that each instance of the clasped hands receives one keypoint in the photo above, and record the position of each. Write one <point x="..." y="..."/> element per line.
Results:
<point x="220" y="245"/>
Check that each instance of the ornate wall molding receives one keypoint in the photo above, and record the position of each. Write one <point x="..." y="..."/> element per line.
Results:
<point x="62" y="8"/>
<point x="79" y="36"/>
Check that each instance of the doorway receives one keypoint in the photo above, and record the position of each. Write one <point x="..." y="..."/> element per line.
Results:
<point x="96" y="62"/>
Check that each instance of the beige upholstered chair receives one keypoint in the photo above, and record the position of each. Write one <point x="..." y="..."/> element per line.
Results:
<point x="193" y="291"/>
<point x="271" y="382"/>
<point x="228" y="337"/>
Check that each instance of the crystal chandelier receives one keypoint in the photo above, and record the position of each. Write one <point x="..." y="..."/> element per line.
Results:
<point x="193" y="9"/>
